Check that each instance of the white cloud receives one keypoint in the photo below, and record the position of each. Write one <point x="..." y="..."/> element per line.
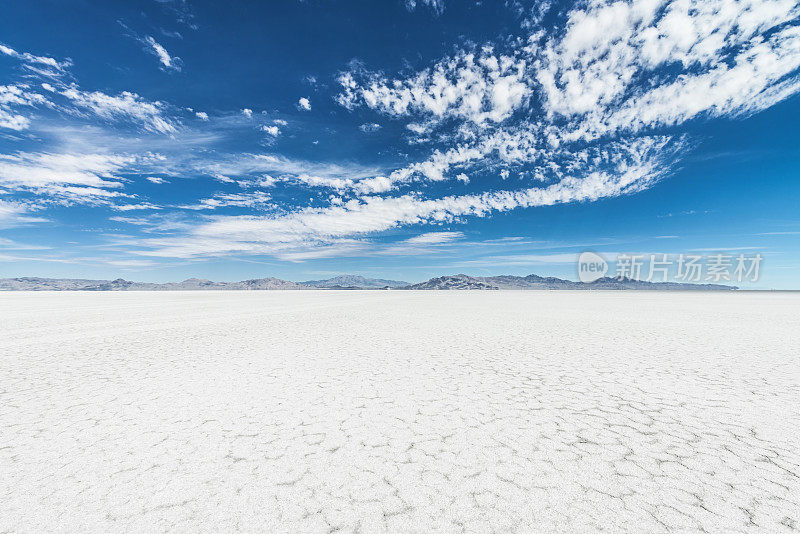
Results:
<point x="130" y="220"/>
<point x="68" y="178"/>
<point x="15" y="214"/>
<point x="36" y="60"/>
<point x="42" y="170"/>
<point x="312" y="180"/>
<point x="19" y="95"/>
<point x="126" y="105"/>
<point x="434" y="238"/>
<point x="136" y="207"/>
<point x="370" y="128"/>
<point x="247" y="112"/>
<point x="618" y="68"/>
<point x="357" y="217"/>
<point x="274" y="131"/>
<point x="156" y="180"/>
<point x="723" y="59"/>
<point x="202" y="115"/>
<point x="282" y="169"/>
<point x="749" y="85"/>
<point x="13" y="97"/>
<point x="427" y="243"/>
<point x="478" y="87"/>
<point x="151" y="46"/>
<point x="254" y="199"/>
<point x="377" y="184"/>
<point x="304" y="103"/>
<point x="437" y="6"/>
<point x="169" y="62"/>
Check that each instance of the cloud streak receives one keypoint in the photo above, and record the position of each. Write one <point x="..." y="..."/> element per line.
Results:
<point x="126" y="105"/>
<point x="314" y="227"/>
<point x="31" y="59"/>
<point x="167" y="61"/>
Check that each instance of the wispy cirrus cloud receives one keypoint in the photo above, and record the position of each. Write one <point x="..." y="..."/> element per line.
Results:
<point x="168" y="62"/>
<point x="251" y="199"/>
<point x="56" y="94"/>
<point x="17" y="96"/>
<point x="281" y="169"/>
<point x="64" y="177"/>
<point x="16" y="214"/>
<point x="434" y="238"/>
<point x="437" y="6"/>
<point x="370" y="127"/>
<point x="151" y="46"/>
<point x="312" y="227"/>
<point x="425" y="243"/>
<point x="31" y="59"/>
<point x="125" y="106"/>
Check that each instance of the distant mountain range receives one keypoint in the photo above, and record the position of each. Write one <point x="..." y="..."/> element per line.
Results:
<point x="349" y="281"/>
<point x="532" y="281"/>
<point x="454" y="282"/>
<point x="77" y="284"/>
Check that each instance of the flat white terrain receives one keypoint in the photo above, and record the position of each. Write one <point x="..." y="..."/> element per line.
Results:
<point x="314" y="411"/>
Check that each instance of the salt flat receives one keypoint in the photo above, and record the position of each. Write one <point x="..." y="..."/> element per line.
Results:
<point x="314" y="411"/>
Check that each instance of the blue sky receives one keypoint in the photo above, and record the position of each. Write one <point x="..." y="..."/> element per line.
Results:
<point x="164" y="139"/>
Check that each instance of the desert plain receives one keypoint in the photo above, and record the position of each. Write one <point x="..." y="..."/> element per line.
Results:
<point x="400" y="411"/>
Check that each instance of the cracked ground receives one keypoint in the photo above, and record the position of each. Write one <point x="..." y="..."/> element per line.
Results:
<point x="373" y="411"/>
